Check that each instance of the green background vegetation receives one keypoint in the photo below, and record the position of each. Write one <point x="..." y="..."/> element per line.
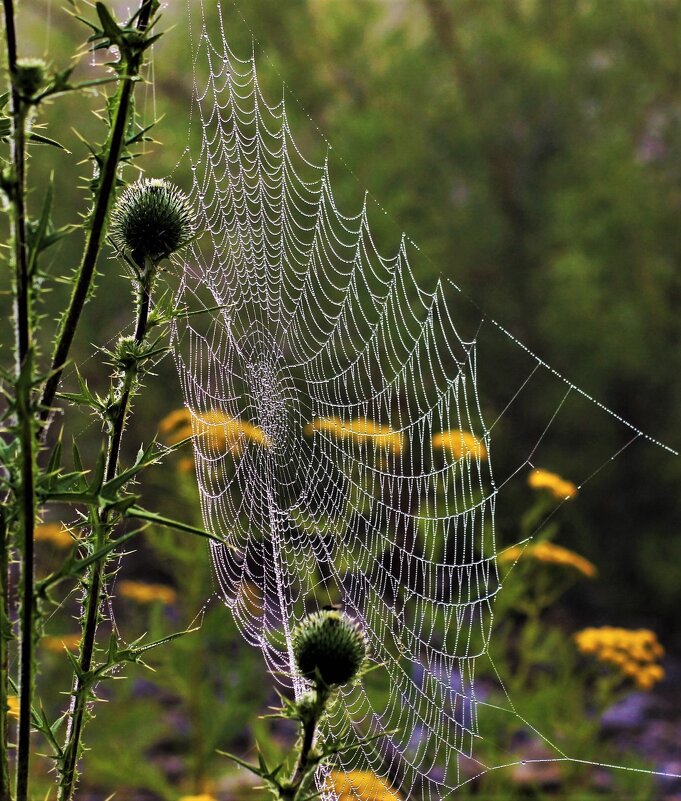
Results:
<point x="533" y="151"/>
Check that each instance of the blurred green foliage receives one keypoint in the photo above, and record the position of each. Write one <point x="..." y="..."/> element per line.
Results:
<point x="532" y="150"/>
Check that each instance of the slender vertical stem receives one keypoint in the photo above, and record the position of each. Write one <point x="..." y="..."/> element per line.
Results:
<point x="5" y="637"/>
<point x="105" y="193"/>
<point x="81" y="688"/>
<point x="301" y="774"/>
<point x="24" y="420"/>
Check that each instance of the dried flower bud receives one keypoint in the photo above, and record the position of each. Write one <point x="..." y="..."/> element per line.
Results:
<point x="329" y="645"/>
<point x="30" y="75"/>
<point x="151" y="220"/>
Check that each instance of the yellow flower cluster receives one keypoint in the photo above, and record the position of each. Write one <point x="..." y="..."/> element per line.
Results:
<point x="55" y="643"/>
<point x="459" y="444"/>
<point x="560" y="488"/>
<point x="144" y="593"/>
<point x="552" y="554"/>
<point x="55" y="533"/>
<point x="202" y="797"/>
<point x="222" y="431"/>
<point x="13" y="706"/>
<point x="361" y="429"/>
<point x="360" y="785"/>
<point x="634" y="651"/>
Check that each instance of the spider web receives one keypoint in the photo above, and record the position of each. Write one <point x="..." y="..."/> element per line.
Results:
<point x="341" y="452"/>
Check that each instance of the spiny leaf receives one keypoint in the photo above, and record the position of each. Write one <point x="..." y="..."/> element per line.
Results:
<point x="39" y="139"/>
<point x="38" y="233"/>
<point x="142" y="514"/>
<point x="252" y="768"/>
<point x="109" y="26"/>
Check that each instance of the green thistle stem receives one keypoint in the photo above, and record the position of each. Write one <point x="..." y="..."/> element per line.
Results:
<point x="5" y="638"/>
<point x="82" y="687"/>
<point x="306" y="762"/>
<point x="105" y="193"/>
<point x="24" y="378"/>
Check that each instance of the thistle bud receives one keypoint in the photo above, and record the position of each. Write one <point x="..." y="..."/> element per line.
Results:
<point x="151" y="220"/>
<point x="128" y="353"/>
<point x="29" y="76"/>
<point x="330" y="646"/>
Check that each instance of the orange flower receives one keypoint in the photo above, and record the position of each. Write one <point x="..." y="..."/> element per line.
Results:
<point x="559" y="487"/>
<point x="361" y="430"/>
<point x="202" y="797"/>
<point x="56" y="533"/>
<point x="13" y="706"/>
<point x="360" y="785"/>
<point x="55" y="643"/>
<point x="633" y="651"/>
<point x="548" y="553"/>
<point x="460" y="444"/>
<point x="186" y="464"/>
<point x="220" y="430"/>
<point x="144" y="593"/>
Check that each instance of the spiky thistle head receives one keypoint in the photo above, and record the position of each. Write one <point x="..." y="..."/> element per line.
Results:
<point x="151" y="220"/>
<point x="30" y="75"/>
<point x="329" y="645"/>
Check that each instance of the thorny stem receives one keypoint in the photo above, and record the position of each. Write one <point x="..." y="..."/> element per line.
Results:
<point x="5" y="638"/>
<point x="302" y="770"/>
<point x="107" y="185"/>
<point x="23" y="377"/>
<point x="82" y="682"/>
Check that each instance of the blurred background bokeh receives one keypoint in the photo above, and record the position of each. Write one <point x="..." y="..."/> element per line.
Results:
<point x="532" y="150"/>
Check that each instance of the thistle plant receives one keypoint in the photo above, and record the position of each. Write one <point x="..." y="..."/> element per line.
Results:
<point x="330" y="651"/>
<point x="150" y="222"/>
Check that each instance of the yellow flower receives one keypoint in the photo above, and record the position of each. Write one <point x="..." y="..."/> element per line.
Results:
<point x="55" y="643"/>
<point x="13" y="706"/>
<point x="56" y="533"/>
<point x="559" y="487"/>
<point x="186" y="464"/>
<point x="549" y="553"/>
<point x="202" y="797"/>
<point x="178" y="418"/>
<point x="361" y="430"/>
<point x="220" y="430"/>
<point x="147" y="593"/>
<point x="360" y="785"/>
<point x="633" y="651"/>
<point x="459" y="444"/>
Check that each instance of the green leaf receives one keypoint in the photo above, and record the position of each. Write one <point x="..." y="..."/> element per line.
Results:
<point x="73" y="567"/>
<point x="55" y="456"/>
<point x="144" y="458"/>
<point x="169" y="638"/>
<point x="109" y="26"/>
<point x="85" y="397"/>
<point x="233" y="758"/>
<point x="142" y="514"/>
<point x="38" y="233"/>
<point x="77" y="461"/>
<point x="39" y="139"/>
<point x="95" y="485"/>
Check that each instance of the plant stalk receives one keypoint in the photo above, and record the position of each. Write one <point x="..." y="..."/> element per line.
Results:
<point x="24" y="420"/>
<point x="82" y="685"/>
<point x="5" y="638"/>
<point x="105" y="193"/>
<point x="304" y="763"/>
